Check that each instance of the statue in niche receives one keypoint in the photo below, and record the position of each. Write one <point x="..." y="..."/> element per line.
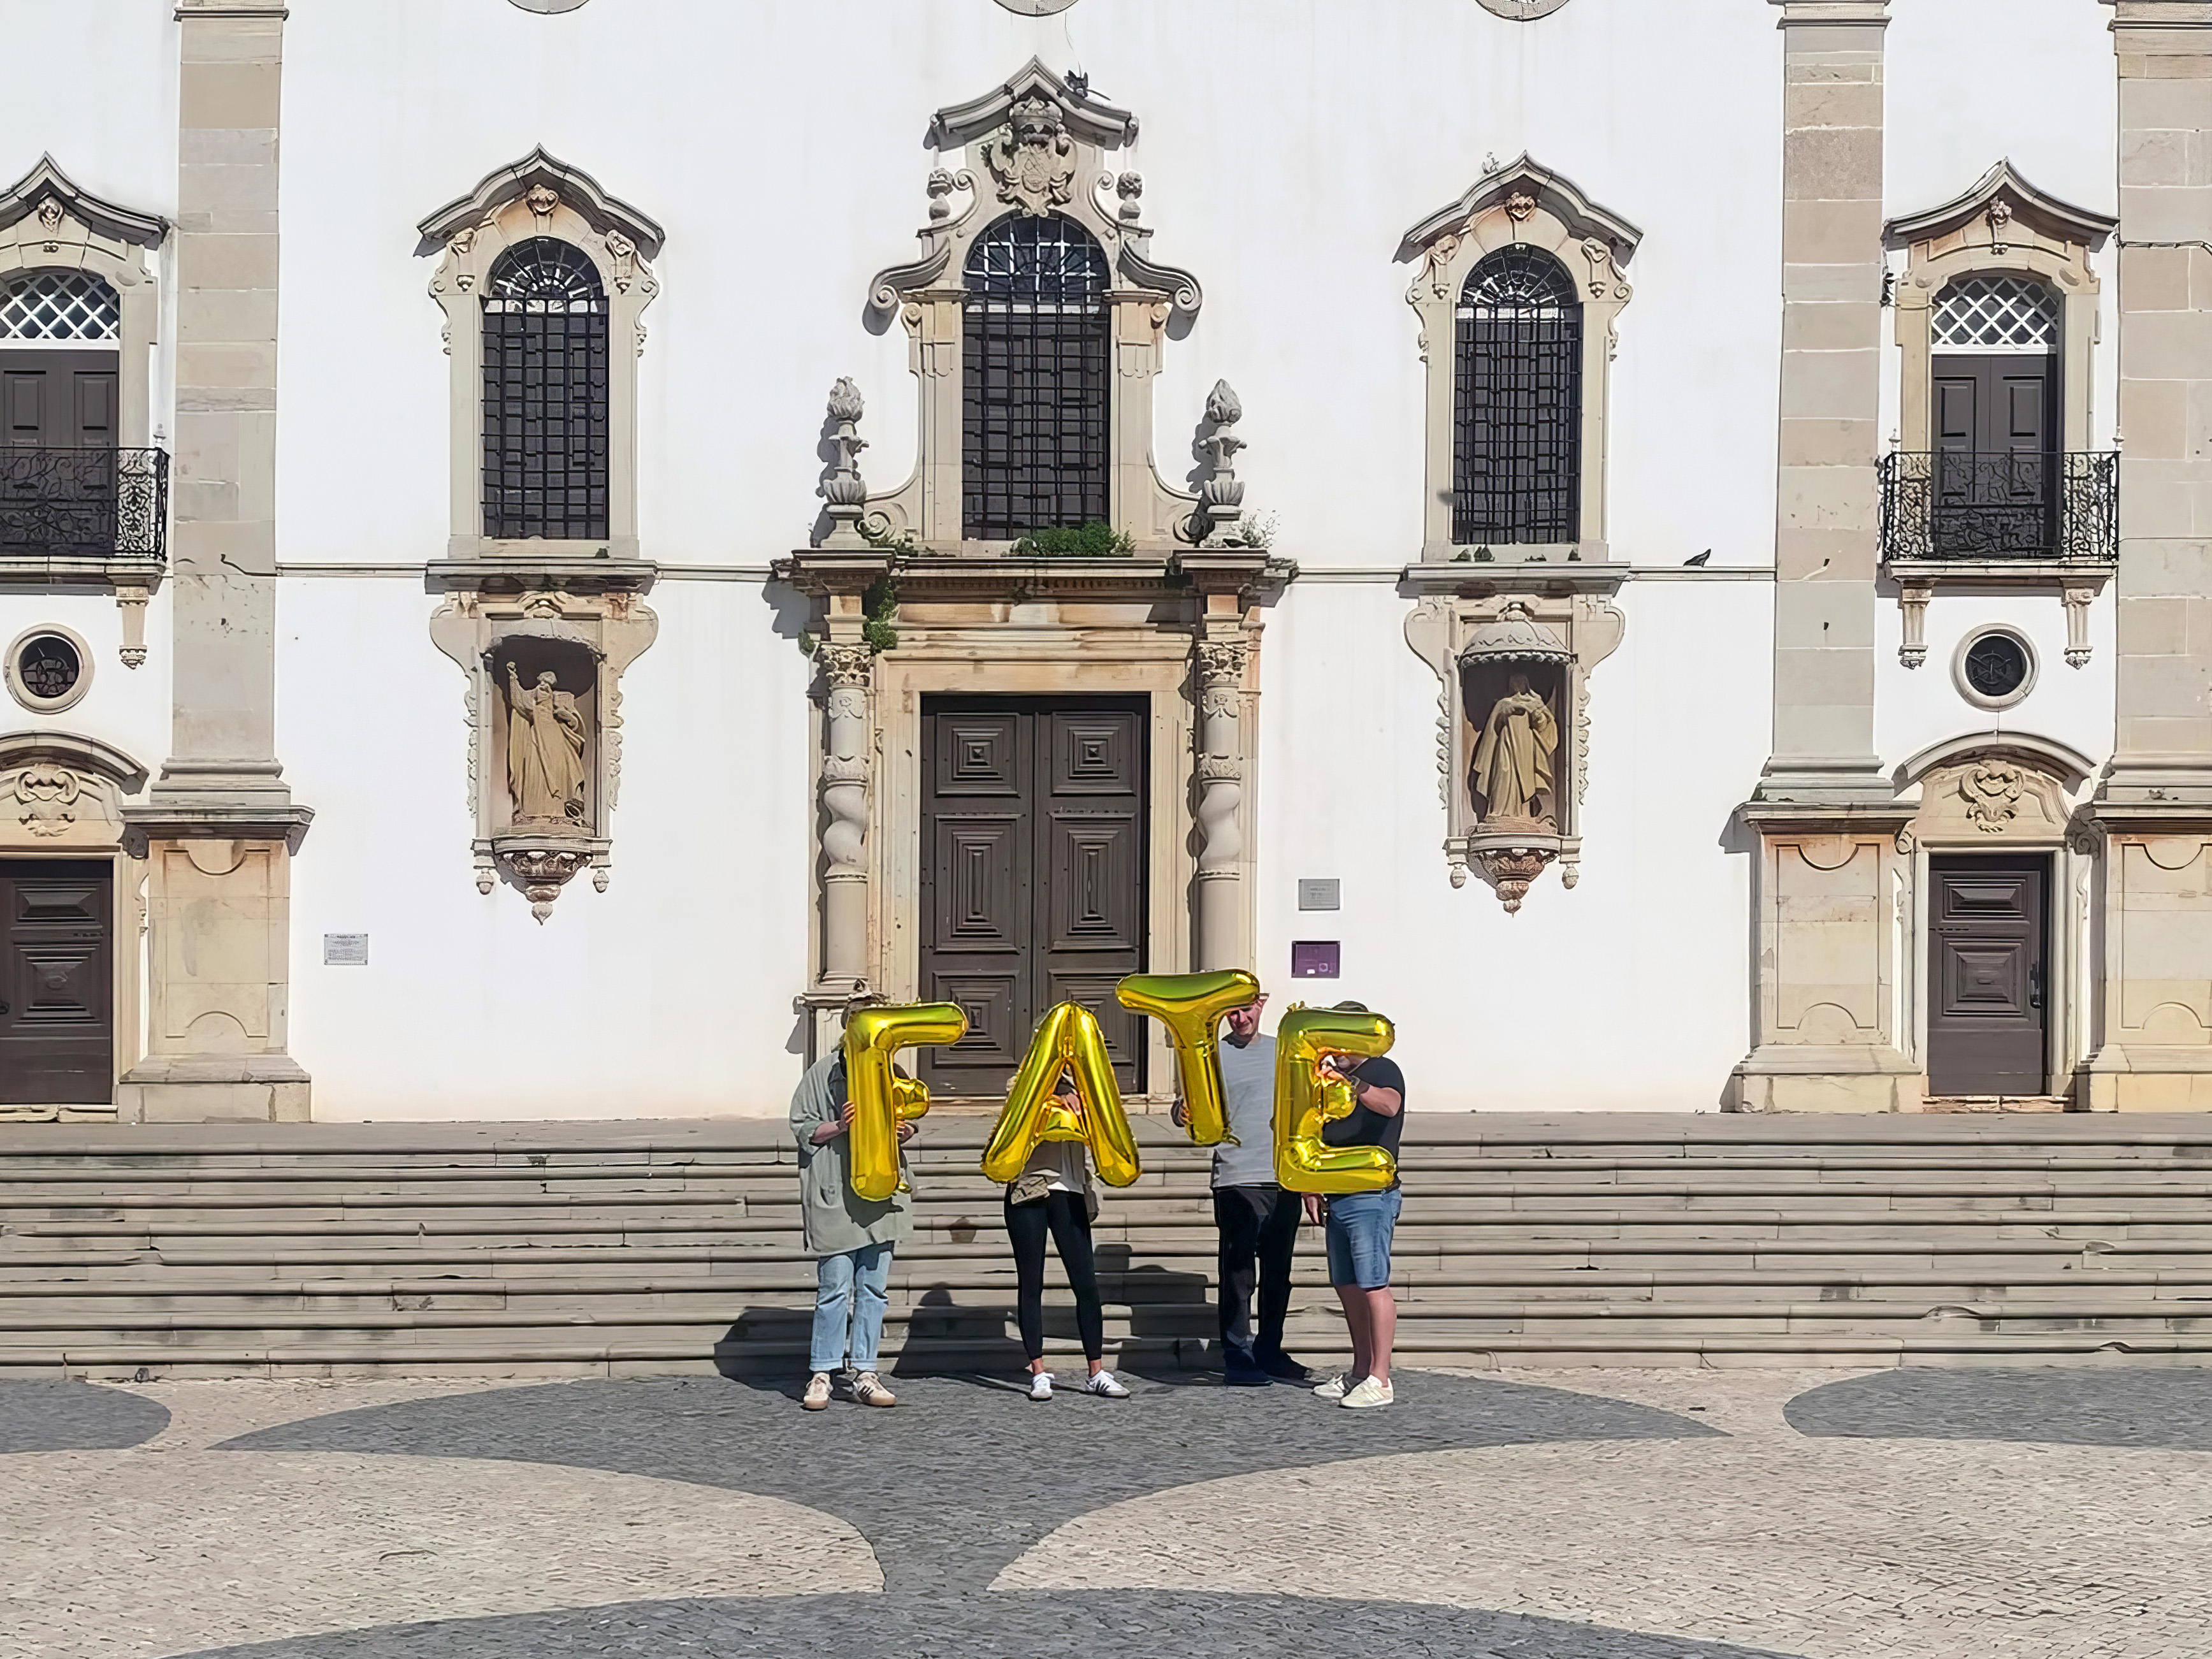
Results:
<point x="1512" y="773"/>
<point x="545" y="741"/>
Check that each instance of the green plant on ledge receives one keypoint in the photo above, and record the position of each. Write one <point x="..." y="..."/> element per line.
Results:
<point x="1095" y="540"/>
<point x="880" y="602"/>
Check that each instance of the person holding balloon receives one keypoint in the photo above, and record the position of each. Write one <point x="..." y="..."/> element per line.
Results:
<point x="1053" y="1195"/>
<point x="851" y="1237"/>
<point x="1361" y="1226"/>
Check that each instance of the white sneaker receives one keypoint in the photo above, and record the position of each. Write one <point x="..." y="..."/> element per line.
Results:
<point x="817" y="1397"/>
<point x="1040" y="1386"/>
<point x="1338" y="1386"/>
<point x="1368" y="1392"/>
<point x="1103" y="1383"/>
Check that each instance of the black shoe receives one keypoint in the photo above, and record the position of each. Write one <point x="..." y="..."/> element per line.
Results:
<point x="1280" y="1364"/>
<point x="1240" y="1370"/>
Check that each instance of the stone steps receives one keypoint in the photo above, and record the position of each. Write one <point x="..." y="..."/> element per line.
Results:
<point x="559" y="1248"/>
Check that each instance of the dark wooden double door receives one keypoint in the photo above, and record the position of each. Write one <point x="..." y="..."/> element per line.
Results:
<point x="56" y="982"/>
<point x="1989" y="999"/>
<point x="64" y="402"/>
<point x="1033" y="861"/>
<point x="1997" y="465"/>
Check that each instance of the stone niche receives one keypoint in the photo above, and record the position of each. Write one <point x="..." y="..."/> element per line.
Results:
<point x="544" y="660"/>
<point x="1512" y="723"/>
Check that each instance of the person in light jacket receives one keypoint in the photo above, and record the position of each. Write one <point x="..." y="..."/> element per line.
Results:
<point x="852" y="1238"/>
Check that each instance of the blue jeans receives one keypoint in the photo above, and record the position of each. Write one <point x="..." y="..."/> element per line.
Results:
<point x="849" y="1307"/>
<point x="1360" y="1229"/>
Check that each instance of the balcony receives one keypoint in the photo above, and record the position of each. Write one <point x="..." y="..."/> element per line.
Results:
<point x="2026" y="511"/>
<point x="66" y="512"/>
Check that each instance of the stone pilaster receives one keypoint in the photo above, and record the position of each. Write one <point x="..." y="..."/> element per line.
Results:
<point x="847" y="738"/>
<point x="2155" y="803"/>
<point x="220" y="826"/>
<point x="1825" y="545"/>
<point x="1219" y="669"/>
<point x="1827" y="1016"/>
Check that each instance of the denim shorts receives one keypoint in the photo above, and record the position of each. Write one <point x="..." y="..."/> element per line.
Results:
<point x="1360" y="1227"/>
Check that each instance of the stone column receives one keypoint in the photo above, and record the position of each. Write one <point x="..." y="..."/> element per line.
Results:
<point x="1220" y="943"/>
<point x="2155" y="803"/>
<point x="846" y="740"/>
<point x="220" y="826"/>
<point x="1826" y="1014"/>
<point x="1826" y="522"/>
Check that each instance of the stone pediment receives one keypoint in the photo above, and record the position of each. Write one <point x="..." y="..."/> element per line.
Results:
<point x="2001" y="190"/>
<point x="1525" y="179"/>
<point x="1091" y="119"/>
<point x="46" y="183"/>
<point x="574" y="188"/>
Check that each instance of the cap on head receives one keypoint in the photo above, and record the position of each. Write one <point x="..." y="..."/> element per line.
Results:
<point x="1348" y="1008"/>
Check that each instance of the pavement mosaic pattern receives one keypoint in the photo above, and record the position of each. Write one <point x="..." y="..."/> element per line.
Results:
<point x="1588" y="1515"/>
<point x="65" y="1416"/>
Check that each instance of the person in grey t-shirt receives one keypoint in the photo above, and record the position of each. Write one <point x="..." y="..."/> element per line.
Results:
<point x="1257" y="1220"/>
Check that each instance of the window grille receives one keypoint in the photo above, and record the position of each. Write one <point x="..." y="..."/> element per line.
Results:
<point x="1035" y="396"/>
<point x="1997" y="313"/>
<point x="1517" y="437"/>
<point x="545" y="394"/>
<point x="59" y="305"/>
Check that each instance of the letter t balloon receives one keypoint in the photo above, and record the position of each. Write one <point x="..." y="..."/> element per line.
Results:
<point x="880" y="1101"/>
<point x="1191" y="1007"/>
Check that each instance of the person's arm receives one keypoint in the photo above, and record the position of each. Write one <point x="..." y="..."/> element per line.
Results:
<point x="1383" y="1102"/>
<point x="829" y="1130"/>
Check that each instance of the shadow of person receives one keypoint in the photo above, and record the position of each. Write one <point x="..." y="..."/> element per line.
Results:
<point x="946" y="1338"/>
<point x="1172" y="1323"/>
<point x="767" y="1348"/>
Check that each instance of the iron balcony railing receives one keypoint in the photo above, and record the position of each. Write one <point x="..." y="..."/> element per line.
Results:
<point x="2000" y="507"/>
<point x="83" y="503"/>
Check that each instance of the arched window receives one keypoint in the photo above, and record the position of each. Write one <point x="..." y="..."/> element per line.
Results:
<point x="1516" y="473"/>
<point x="545" y="394"/>
<point x="1035" y="396"/>
<point x="59" y="307"/>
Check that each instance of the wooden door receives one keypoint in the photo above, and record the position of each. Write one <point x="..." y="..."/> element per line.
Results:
<point x="58" y="436"/>
<point x="59" y="399"/>
<point x="1988" y="997"/>
<point x="1996" y="461"/>
<point x="56" y="984"/>
<point x="1032" y="874"/>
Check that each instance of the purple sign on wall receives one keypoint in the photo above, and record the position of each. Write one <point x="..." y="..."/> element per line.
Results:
<point x="1315" y="958"/>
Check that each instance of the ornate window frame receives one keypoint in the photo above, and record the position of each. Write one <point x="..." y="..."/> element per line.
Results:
<point x="1035" y="144"/>
<point x="2003" y="226"/>
<point x="541" y="196"/>
<point x="48" y="222"/>
<point x="1527" y="204"/>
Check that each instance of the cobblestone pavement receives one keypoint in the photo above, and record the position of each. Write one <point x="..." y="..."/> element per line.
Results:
<point x="1620" y="1514"/>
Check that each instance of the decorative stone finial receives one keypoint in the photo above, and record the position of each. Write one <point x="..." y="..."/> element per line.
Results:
<point x="1222" y="495"/>
<point x="843" y="489"/>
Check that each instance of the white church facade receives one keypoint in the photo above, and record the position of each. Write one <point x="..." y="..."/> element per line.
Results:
<point x="547" y="546"/>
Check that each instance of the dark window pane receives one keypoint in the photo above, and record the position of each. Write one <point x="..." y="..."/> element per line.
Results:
<point x="1035" y="386"/>
<point x="545" y="371"/>
<point x="1517" y="433"/>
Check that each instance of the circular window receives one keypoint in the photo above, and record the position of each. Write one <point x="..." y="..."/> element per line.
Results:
<point x="1523" y="11"/>
<point x="1036" y="8"/>
<point x="48" y="669"/>
<point x="1996" y="668"/>
<point x="549" y="5"/>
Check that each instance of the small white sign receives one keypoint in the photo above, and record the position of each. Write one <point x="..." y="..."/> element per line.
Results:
<point x="345" y="950"/>
<point x="1320" y="893"/>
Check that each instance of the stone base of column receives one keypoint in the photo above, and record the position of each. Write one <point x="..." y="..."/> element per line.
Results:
<point x="218" y="916"/>
<point x="1826" y="1078"/>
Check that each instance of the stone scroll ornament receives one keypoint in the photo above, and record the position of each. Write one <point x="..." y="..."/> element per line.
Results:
<point x="881" y="1099"/>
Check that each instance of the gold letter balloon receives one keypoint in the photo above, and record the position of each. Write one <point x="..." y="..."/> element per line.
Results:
<point x="881" y="1102"/>
<point x="1068" y="1040"/>
<point x="1306" y="1099"/>
<point x="1191" y="1007"/>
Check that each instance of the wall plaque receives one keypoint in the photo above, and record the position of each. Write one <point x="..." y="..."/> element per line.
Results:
<point x="1320" y="893"/>
<point x="1315" y="958"/>
<point x="345" y="950"/>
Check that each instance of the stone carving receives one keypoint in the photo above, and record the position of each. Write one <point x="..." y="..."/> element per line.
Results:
<point x="940" y="187"/>
<point x="1993" y="792"/>
<point x="1131" y="189"/>
<point x="541" y="200"/>
<point x="546" y="745"/>
<point x="1512" y="774"/>
<point x="1523" y="11"/>
<point x="2000" y="215"/>
<point x="847" y="671"/>
<point x="842" y="487"/>
<point x="542" y="872"/>
<point x="1519" y="206"/>
<point x="1912" y="607"/>
<point x="2076" y="598"/>
<point x="1512" y="870"/>
<point x="48" y="795"/>
<point x="1033" y="160"/>
<point x="1220" y="666"/>
<point x="50" y="221"/>
<point x="1221" y="497"/>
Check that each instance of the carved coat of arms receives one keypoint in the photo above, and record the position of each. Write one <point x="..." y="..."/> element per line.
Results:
<point x="1033" y="160"/>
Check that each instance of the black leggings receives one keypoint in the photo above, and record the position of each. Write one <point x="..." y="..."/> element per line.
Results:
<point x="1069" y="1219"/>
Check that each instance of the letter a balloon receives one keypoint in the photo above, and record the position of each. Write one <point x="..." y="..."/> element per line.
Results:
<point x="1068" y="1040"/>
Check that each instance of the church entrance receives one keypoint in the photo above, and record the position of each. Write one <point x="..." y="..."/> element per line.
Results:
<point x="1988" y="986"/>
<point x="1032" y="873"/>
<point x="56" y="982"/>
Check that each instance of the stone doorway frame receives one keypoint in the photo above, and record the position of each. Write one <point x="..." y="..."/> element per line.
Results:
<point x="2004" y="792"/>
<point x="82" y="818"/>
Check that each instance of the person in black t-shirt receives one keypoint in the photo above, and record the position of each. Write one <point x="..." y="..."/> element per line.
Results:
<point x="1360" y="1226"/>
